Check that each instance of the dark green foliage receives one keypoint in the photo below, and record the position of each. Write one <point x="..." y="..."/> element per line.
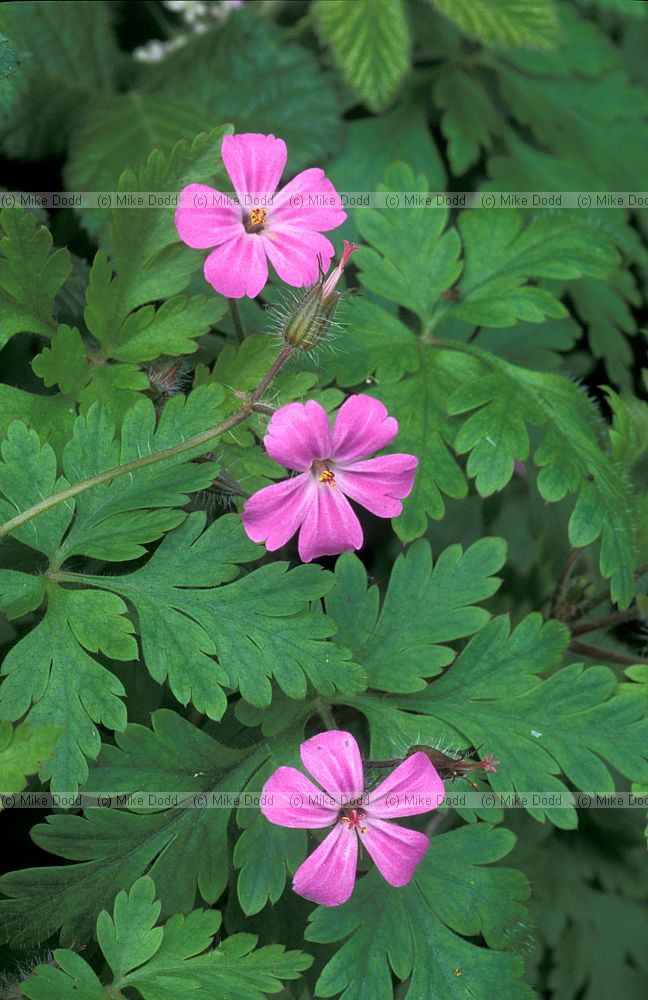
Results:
<point x="158" y="661"/>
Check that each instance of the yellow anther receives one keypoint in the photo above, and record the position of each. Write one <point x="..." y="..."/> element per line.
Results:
<point x="327" y="477"/>
<point x="258" y="216"/>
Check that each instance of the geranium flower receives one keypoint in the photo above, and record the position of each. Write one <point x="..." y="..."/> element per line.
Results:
<point x="286" y="227"/>
<point x="327" y="876"/>
<point x="330" y="469"/>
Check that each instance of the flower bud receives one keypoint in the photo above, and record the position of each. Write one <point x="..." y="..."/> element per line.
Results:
<point x="311" y="317"/>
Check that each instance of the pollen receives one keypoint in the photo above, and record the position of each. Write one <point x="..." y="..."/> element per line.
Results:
<point x="354" y="818"/>
<point x="258" y="216"/>
<point x="327" y="477"/>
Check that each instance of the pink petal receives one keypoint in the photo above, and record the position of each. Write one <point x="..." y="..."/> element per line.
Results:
<point x="395" y="850"/>
<point x="295" y="253"/>
<point x="328" y="875"/>
<point x="290" y="799"/>
<point x="362" y="426"/>
<point x="309" y="201"/>
<point x="298" y="435"/>
<point x="414" y="787"/>
<point x="330" y="526"/>
<point x="238" y="267"/>
<point x="254" y="162"/>
<point x="273" y="514"/>
<point x="379" y="484"/>
<point x="333" y="759"/>
<point x="204" y="218"/>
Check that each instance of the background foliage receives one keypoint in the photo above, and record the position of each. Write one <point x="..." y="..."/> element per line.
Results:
<point x="148" y="645"/>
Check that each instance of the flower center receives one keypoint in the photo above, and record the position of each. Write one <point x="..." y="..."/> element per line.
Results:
<point x="354" y="818"/>
<point x="323" y="473"/>
<point x="256" y="220"/>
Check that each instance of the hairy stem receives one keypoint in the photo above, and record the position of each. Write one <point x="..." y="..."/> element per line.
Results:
<point x="204" y="438"/>
<point x="607" y="621"/>
<point x="270" y="374"/>
<point x="596" y="653"/>
<point x="236" y="319"/>
<point x="325" y="714"/>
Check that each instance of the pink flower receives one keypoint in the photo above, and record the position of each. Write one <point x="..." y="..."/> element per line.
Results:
<point x="330" y="470"/>
<point x="333" y="759"/>
<point x="286" y="227"/>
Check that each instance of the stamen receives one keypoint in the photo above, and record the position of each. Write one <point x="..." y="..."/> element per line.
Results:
<point x="256" y="221"/>
<point x="327" y="477"/>
<point x="354" y="818"/>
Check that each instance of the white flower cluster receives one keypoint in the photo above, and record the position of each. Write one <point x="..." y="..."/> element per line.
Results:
<point x="197" y="15"/>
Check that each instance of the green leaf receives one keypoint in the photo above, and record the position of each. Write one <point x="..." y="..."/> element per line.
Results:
<point x="70" y="979"/>
<point x="266" y="853"/>
<point x="164" y="962"/>
<point x="591" y="83"/>
<point x="413" y="258"/>
<point x="23" y="751"/>
<point x="52" y="670"/>
<point x="28" y="473"/>
<point x="587" y="904"/>
<point x="263" y="854"/>
<point x="52" y="417"/>
<point x="532" y="345"/>
<point x="20" y="593"/>
<point x="419" y="933"/>
<point x="424" y="607"/>
<point x="114" y="518"/>
<point x="259" y="626"/>
<point x="419" y="404"/>
<point x="372" y="144"/>
<point x="64" y="362"/>
<point x="184" y="850"/>
<point x="604" y="308"/>
<point x="513" y="23"/>
<point x="370" y="40"/>
<point x="496" y="435"/>
<point x="570" y="457"/>
<point x="171" y="330"/>
<point x="569" y="723"/>
<point x="500" y="256"/>
<point x="410" y="272"/>
<point x="376" y="342"/>
<point x="30" y="275"/>
<point x="68" y="57"/>
<point x="152" y="264"/>
<point x="579" y="103"/>
<point x="224" y="75"/>
<point x="470" y="119"/>
<point x="629" y="430"/>
<point x="116" y="387"/>
<point x="122" y="132"/>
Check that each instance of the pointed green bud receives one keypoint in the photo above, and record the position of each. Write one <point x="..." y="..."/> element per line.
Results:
<point x="311" y="317"/>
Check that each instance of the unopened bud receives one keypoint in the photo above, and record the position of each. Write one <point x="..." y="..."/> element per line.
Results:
<point x="311" y="317"/>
